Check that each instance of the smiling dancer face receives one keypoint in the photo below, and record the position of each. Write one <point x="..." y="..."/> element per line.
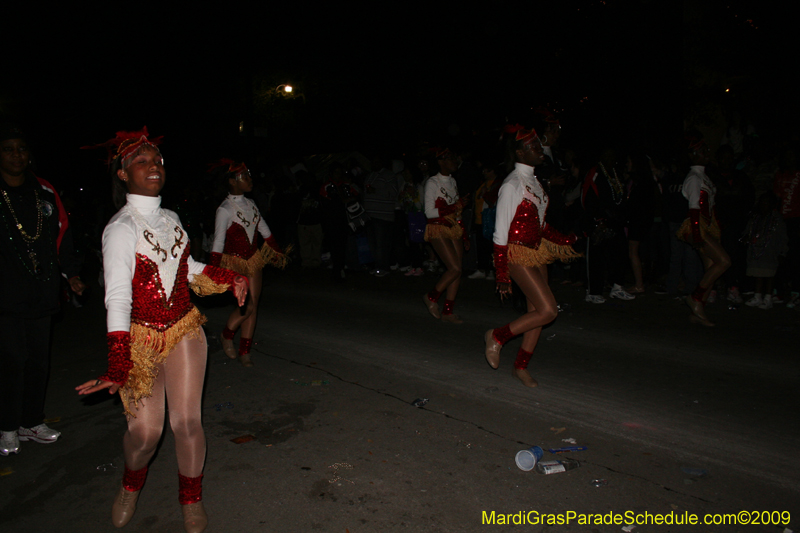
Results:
<point x="144" y="172"/>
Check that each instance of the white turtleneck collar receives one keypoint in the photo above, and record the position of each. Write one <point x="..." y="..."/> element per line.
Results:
<point x="524" y="170"/>
<point x="145" y="204"/>
<point x="235" y="197"/>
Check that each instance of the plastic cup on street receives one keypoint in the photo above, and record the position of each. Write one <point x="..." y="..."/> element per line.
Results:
<point x="526" y="459"/>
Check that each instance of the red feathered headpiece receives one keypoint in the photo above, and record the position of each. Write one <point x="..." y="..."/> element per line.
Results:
<point x="126" y="143"/>
<point x="548" y="116"/>
<point x="233" y="167"/>
<point x="526" y="136"/>
<point x="695" y="143"/>
<point x="441" y="153"/>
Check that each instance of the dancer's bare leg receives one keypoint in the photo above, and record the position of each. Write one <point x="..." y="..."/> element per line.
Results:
<point x="184" y="373"/>
<point x="716" y="262"/>
<point x="541" y="302"/>
<point x="451" y="252"/>
<point x="247" y="321"/>
<point x="144" y="431"/>
<point x="530" y="280"/>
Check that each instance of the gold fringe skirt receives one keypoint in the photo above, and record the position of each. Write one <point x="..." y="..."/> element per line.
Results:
<point x="150" y="348"/>
<point x="440" y="231"/>
<point x="263" y="257"/>
<point x="709" y="227"/>
<point x="546" y="253"/>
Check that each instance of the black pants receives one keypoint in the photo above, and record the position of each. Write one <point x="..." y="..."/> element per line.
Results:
<point x="606" y="260"/>
<point x="24" y="366"/>
<point x="484" y="251"/>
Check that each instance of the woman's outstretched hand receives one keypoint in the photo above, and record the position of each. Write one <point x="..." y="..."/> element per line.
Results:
<point x="95" y="385"/>
<point x="241" y="285"/>
<point x="504" y="289"/>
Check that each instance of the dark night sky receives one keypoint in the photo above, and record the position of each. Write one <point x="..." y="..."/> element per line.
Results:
<point x="388" y="76"/>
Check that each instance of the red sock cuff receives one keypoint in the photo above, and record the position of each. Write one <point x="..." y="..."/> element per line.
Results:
<point x="434" y="295"/>
<point x="502" y="335"/>
<point x="190" y="489"/>
<point x="228" y="334"/>
<point x="448" y="307"/>
<point x="698" y="293"/>
<point x="133" y="480"/>
<point x="522" y="360"/>
<point x="244" y="345"/>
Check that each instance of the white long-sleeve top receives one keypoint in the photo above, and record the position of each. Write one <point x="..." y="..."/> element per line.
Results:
<point x="439" y="186"/>
<point x="697" y="181"/>
<point x="520" y="184"/>
<point x="238" y="209"/>
<point x="141" y="227"/>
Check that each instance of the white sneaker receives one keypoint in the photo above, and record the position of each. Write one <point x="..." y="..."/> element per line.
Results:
<point x="41" y="434"/>
<point x="734" y="296"/>
<point x="478" y="274"/>
<point x="595" y="299"/>
<point x="490" y="276"/>
<point x="394" y="266"/>
<point x="407" y="268"/>
<point x="619" y="292"/>
<point x="755" y="301"/>
<point x="9" y="442"/>
<point x="767" y="303"/>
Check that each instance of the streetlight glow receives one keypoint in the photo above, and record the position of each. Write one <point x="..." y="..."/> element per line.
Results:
<point x="288" y="88"/>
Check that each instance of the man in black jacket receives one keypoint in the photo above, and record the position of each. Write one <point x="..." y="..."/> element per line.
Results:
<point x="35" y="252"/>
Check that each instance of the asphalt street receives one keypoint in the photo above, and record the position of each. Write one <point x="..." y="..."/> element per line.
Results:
<point x="677" y="419"/>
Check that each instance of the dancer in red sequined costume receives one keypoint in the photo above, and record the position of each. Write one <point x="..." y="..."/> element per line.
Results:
<point x="701" y="229"/>
<point x="236" y="247"/>
<point x="157" y="348"/>
<point x="524" y="244"/>
<point x="445" y="232"/>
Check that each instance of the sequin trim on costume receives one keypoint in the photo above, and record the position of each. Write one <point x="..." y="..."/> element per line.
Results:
<point x="133" y="480"/>
<point x="238" y="243"/>
<point x="522" y="360"/>
<point x="501" y="263"/>
<point x="447" y="309"/>
<point x="190" y="489"/>
<point x="119" y="357"/>
<point x="502" y="335"/>
<point x="244" y="345"/>
<point x="447" y="205"/>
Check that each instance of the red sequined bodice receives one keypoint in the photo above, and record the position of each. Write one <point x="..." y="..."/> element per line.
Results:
<point x="525" y="229"/>
<point x="150" y="305"/>
<point x="238" y="243"/>
<point x="704" y="204"/>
